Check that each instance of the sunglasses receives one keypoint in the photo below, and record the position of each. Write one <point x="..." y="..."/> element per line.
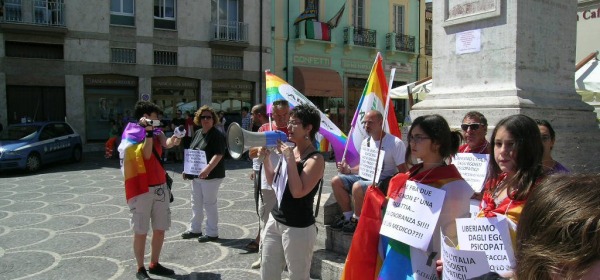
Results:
<point x="206" y="117"/>
<point x="473" y="126"/>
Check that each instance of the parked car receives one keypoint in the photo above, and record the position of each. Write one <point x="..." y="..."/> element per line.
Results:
<point x="30" y="145"/>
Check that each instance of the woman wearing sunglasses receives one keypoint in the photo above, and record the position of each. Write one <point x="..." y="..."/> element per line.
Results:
<point x="474" y="127"/>
<point x="550" y="165"/>
<point x="205" y="186"/>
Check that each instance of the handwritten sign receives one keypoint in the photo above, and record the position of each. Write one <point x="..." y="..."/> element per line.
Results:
<point x="194" y="161"/>
<point x="280" y="179"/>
<point x="368" y="161"/>
<point x="468" y="41"/>
<point x="412" y="217"/>
<point x="462" y="264"/>
<point x="491" y="236"/>
<point x="473" y="168"/>
<point x="423" y="264"/>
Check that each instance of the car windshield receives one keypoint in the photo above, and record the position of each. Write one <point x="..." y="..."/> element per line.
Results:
<point x="20" y="132"/>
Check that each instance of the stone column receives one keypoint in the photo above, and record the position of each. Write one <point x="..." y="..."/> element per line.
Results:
<point x="504" y="57"/>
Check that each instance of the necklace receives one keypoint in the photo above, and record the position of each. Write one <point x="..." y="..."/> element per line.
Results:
<point x="303" y="152"/>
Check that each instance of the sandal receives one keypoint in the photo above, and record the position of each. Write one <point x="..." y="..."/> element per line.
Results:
<point x="252" y="246"/>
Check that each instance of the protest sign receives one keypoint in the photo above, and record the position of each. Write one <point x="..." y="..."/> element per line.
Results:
<point x="462" y="264"/>
<point x="368" y="161"/>
<point x="411" y="218"/>
<point x="423" y="264"/>
<point x="280" y="179"/>
<point x="473" y="168"/>
<point x="194" y="161"/>
<point x="490" y="235"/>
<point x="474" y="207"/>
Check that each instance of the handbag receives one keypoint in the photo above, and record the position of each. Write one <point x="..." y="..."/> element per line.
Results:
<point x="169" y="179"/>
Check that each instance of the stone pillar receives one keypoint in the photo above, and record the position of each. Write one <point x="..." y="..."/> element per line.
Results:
<point x="503" y="57"/>
<point x="75" y="104"/>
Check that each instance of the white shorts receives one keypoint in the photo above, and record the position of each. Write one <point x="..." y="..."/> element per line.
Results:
<point x="153" y="205"/>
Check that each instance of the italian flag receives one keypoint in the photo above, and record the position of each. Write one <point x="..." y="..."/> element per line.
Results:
<point x="318" y="31"/>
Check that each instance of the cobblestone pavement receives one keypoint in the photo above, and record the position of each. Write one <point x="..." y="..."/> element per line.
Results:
<point x="70" y="221"/>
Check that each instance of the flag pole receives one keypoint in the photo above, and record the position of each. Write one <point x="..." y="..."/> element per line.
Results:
<point x="385" y="113"/>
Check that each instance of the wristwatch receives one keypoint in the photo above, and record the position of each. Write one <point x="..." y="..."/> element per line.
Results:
<point x="149" y="134"/>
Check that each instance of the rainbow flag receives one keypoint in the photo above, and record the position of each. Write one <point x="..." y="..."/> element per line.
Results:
<point x="373" y="97"/>
<point x="132" y="160"/>
<point x="278" y="89"/>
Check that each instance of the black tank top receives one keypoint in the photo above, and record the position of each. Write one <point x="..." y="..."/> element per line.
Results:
<point x="296" y="212"/>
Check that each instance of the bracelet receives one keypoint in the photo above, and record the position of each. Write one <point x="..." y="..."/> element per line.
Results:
<point x="149" y="134"/>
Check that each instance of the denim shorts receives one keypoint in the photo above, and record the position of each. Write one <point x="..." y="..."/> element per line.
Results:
<point x="349" y="180"/>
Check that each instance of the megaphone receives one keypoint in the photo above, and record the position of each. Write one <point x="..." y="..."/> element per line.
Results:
<point x="240" y="140"/>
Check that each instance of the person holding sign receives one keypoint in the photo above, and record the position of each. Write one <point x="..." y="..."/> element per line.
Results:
<point x="206" y="183"/>
<point x="350" y="185"/>
<point x="515" y="169"/>
<point x="550" y="165"/>
<point x="431" y="141"/>
<point x="290" y="233"/>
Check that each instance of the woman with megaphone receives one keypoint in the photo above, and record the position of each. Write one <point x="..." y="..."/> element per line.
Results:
<point x="290" y="233"/>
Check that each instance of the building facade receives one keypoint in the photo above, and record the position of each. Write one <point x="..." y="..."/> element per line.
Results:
<point x="89" y="61"/>
<point x="326" y="49"/>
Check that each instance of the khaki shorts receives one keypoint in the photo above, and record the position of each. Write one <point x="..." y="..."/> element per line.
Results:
<point x="153" y="205"/>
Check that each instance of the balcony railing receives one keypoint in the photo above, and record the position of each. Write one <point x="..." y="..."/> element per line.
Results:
<point x="229" y="31"/>
<point x="361" y="36"/>
<point x="41" y="12"/>
<point x="400" y="42"/>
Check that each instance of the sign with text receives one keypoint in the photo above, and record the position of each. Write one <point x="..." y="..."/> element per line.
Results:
<point x="368" y="161"/>
<point x="462" y="264"/>
<point x="411" y="218"/>
<point x="490" y="235"/>
<point x="474" y="207"/>
<point x="423" y="264"/>
<point x="280" y="179"/>
<point x="473" y="168"/>
<point x="194" y="161"/>
<point x="468" y="41"/>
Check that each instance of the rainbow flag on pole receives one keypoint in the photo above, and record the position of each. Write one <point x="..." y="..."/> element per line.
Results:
<point x="278" y="89"/>
<point x="373" y="98"/>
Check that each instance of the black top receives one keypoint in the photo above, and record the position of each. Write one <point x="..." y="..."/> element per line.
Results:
<point x="213" y="143"/>
<point x="296" y="212"/>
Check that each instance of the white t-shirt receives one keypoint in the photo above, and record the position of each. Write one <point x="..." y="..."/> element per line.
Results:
<point x="395" y="152"/>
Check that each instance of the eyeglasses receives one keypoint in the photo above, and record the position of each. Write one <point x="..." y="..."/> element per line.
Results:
<point x="546" y="138"/>
<point x="206" y="117"/>
<point x="417" y="138"/>
<point x="473" y="126"/>
<point x="294" y="123"/>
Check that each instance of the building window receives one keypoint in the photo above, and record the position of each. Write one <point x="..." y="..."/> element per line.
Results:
<point x="227" y="62"/>
<point x="12" y="10"/>
<point x="33" y="50"/>
<point x="165" y="14"/>
<point x="120" y="55"/>
<point x="122" y="12"/>
<point x="165" y="58"/>
<point x="227" y="20"/>
<point x="358" y="13"/>
<point x="399" y="19"/>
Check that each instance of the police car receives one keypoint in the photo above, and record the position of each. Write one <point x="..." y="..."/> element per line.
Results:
<point x="29" y="145"/>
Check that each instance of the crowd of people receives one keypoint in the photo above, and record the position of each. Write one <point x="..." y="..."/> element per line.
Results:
<point x="521" y="184"/>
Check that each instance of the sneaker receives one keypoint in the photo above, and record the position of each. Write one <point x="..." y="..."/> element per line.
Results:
<point x="188" y="235"/>
<point x="350" y="226"/>
<point x="206" y="238"/>
<point x="339" y="223"/>
<point x="142" y="274"/>
<point x="256" y="264"/>
<point x="158" y="269"/>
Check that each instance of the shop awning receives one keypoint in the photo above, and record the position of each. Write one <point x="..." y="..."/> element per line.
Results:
<point x="321" y="82"/>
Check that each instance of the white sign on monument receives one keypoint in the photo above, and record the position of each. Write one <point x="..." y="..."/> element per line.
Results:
<point x="468" y="41"/>
<point x="411" y="218"/>
<point x="368" y="161"/>
<point x="194" y="161"/>
<point x="473" y="168"/>
<point x="490" y="235"/>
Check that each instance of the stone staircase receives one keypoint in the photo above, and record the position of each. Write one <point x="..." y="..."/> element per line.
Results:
<point x="332" y="246"/>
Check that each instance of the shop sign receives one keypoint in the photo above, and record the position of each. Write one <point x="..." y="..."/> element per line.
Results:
<point x="400" y="67"/>
<point x="110" y="81"/>
<point x="357" y="65"/>
<point x="312" y="60"/>
<point x="227" y="85"/>
<point x="175" y="83"/>
<point x="589" y="14"/>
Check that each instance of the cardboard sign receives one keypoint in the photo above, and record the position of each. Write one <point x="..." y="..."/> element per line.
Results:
<point x="412" y="217"/>
<point x="368" y="160"/>
<point x="473" y="168"/>
<point x="490" y="235"/>
<point x="194" y="161"/>
<point x="462" y="264"/>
